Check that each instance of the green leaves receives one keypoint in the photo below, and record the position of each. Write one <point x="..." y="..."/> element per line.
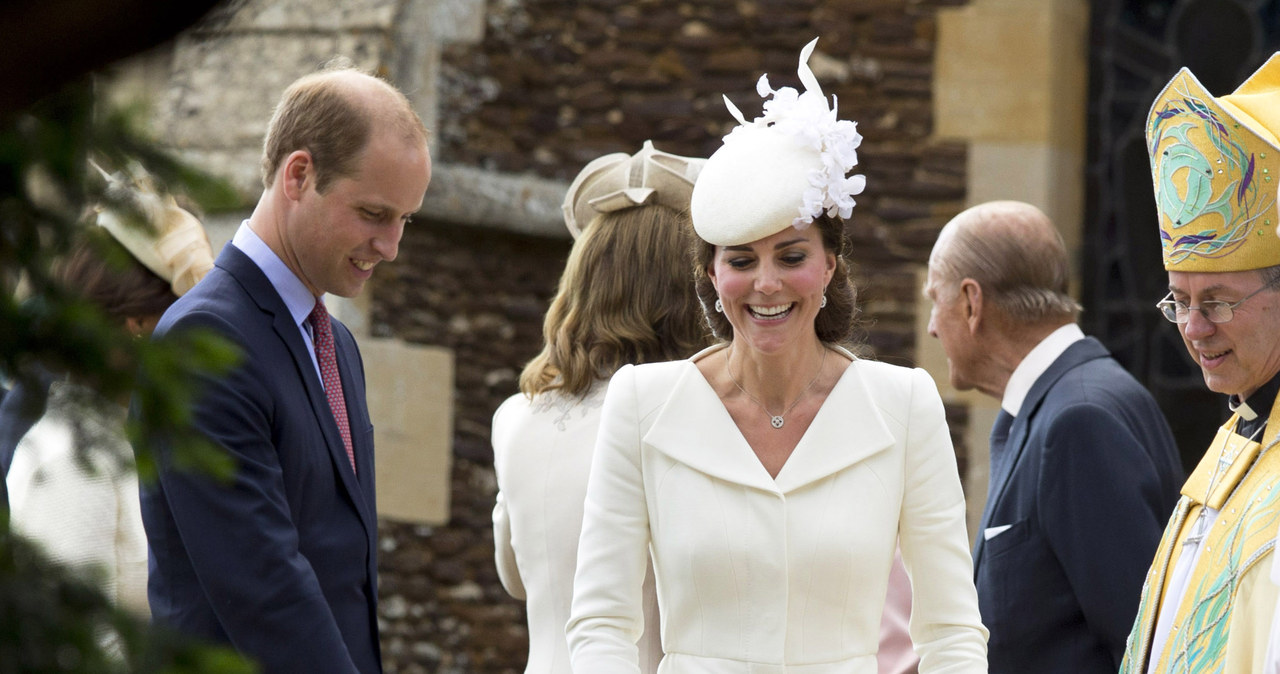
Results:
<point x="55" y="619"/>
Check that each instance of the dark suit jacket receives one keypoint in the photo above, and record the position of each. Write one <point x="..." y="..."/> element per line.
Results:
<point x="20" y="408"/>
<point x="1092" y="475"/>
<point x="281" y="562"/>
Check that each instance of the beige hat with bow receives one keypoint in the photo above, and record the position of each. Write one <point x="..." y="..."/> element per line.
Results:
<point x="618" y="181"/>
<point x="170" y="242"/>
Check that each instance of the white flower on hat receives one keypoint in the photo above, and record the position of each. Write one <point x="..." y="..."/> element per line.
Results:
<point x="806" y="118"/>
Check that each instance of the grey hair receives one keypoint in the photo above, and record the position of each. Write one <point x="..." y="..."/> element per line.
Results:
<point x="1015" y="254"/>
<point x="1270" y="276"/>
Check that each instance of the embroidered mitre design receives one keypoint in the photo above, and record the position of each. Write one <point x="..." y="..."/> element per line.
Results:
<point x="1214" y="167"/>
<point x="1243" y="535"/>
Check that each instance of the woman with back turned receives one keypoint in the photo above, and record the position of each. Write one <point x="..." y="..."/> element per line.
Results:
<point x="626" y="296"/>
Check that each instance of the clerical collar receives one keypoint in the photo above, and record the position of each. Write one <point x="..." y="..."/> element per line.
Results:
<point x="1255" y="410"/>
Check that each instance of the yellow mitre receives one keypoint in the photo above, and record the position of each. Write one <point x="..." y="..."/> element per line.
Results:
<point x="1215" y="165"/>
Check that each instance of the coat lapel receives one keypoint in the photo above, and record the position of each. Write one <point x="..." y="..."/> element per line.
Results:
<point x="1076" y="355"/>
<point x="268" y="300"/>
<point x="694" y="428"/>
<point x="847" y="429"/>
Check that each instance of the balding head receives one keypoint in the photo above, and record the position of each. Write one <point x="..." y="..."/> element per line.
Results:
<point x="1014" y="253"/>
<point x="332" y="114"/>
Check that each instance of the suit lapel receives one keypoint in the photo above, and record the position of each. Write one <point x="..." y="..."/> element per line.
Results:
<point x="694" y="428"/>
<point x="361" y="484"/>
<point x="1076" y="355"/>
<point x="260" y="290"/>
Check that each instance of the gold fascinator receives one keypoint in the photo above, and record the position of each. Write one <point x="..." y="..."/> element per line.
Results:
<point x="170" y="241"/>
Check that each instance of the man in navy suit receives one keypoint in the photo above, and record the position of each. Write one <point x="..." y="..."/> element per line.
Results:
<point x="280" y="561"/>
<point x="1084" y="470"/>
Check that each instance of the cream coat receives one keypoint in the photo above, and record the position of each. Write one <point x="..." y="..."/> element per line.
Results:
<point x="542" y="456"/>
<point x="84" y="516"/>
<point x="759" y="575"/>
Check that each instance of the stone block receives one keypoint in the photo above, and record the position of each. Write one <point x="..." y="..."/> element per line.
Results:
<point x="410" y="392"/>
<point x="221" y="96"/>
<point x="985" y="92"/>
<point x="470" y="196"/>
<point x="312" y="15"/>
<point x="238" y="166"/>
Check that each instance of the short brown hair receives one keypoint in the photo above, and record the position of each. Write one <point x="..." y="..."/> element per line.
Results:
<point x="319" y="113"/>
<point x="836" y="323"/>
<point x="625" y="296"/>
<point x="101" y="270"/>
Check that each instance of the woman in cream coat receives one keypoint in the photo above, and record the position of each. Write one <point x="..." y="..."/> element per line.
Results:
<point x="73" y="489"/>
<point x="626" y="296"/>
<point x="770" y="476"/>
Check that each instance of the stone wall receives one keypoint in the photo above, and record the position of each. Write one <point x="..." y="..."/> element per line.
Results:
<point x="553" y="85"/>
<point x="481" y="293"/>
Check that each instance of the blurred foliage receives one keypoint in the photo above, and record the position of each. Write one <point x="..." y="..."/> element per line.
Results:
<point x="51" y="619"/>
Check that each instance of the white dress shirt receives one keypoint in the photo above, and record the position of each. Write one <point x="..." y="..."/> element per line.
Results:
<point x="1035" y="363"/>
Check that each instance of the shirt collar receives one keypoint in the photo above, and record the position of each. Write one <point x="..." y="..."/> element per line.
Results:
<point x="297" y="298"/>
<point x="1259" y="404"/>
<point x="1035" y="363"/>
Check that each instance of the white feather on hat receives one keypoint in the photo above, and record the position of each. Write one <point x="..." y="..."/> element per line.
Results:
<point x="782" y="169"/>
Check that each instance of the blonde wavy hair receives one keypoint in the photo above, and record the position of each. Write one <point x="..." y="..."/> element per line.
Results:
<point x="626" y="296"/>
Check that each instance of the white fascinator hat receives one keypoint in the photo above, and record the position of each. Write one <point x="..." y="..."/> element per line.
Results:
<point x="170" y="241"/>
<point x="782" y="169"/>
<point x="618" y="181"/>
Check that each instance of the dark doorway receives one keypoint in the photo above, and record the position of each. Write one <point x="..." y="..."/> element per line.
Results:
<point x="1136" y="46"/>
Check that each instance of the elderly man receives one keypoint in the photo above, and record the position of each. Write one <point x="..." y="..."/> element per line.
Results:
<point x="1084" y="469"/>
<point x="1207" y="604"/>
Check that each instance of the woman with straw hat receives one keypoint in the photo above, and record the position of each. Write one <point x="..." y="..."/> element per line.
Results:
<point x="626" y="296"/>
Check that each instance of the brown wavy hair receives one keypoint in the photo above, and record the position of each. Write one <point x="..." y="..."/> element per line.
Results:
<point x="104" y="273"/>
<point x="626" y="296"/>
<point x="836" y="323"/>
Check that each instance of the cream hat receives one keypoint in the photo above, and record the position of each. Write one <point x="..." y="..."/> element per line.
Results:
<point x="170" y="242"/>
<point x="620" y="180"/>
<point x="782" y="169"/>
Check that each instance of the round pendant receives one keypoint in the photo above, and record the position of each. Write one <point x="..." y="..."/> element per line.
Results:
<point x="776" y="421"/>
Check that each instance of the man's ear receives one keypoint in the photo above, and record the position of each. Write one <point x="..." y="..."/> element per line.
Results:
<point x="297" y="172"/>
<point x="971" y="295"/>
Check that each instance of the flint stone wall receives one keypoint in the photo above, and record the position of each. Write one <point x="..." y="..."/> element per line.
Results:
<point x="553" y="85"/>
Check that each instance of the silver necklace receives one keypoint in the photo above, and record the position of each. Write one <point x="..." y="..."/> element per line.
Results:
<point x="777" y="419"/>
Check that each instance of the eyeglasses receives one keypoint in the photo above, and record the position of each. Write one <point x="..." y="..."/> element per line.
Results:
<point x="1215" y="311"/>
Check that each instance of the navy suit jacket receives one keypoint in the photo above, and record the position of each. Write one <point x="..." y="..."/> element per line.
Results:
<point x="1090" y="478"/>
<point x="16" y="419"/>
<point x="280" y="562"/>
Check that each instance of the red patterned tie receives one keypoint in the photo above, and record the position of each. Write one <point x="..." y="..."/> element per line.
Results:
<point x="328" y="360"/>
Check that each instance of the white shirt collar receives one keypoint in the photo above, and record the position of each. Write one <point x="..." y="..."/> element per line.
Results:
<point x="297" y="298"/>
<point x="1036" y="362"/>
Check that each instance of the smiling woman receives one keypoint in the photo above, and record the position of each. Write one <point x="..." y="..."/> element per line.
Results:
<point x="774" y="470"/>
